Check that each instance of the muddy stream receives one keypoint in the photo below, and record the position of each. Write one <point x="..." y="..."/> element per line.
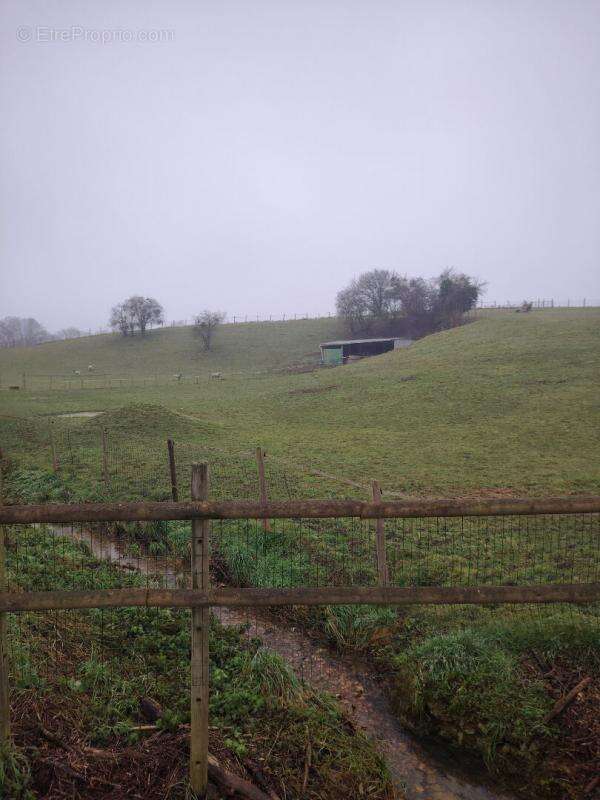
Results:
<point x="417" y="771"/>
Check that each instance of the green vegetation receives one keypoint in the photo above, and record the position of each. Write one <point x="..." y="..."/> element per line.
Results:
<point x="508" y="402"/>
<point x="248" y="347"/>
<point x="257" y="703"/>
<point x="505" y="405"/>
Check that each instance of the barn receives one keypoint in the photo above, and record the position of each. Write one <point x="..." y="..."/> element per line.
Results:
<point x="345" y="350"/>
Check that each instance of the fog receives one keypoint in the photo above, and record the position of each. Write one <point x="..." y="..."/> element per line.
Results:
<point x="255" y="156"/>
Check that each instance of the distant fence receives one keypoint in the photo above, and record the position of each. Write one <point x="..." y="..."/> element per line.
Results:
<point x="542" y="303"/>
<point x="237" y="319"/>
<point x="82" y="379"/>
<point x="538" y="303"/>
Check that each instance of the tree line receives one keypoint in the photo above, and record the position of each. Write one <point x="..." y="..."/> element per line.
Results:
<point x="27" y="331"/>
<point x="379" y="301"/>
<point x="383" y="301"/>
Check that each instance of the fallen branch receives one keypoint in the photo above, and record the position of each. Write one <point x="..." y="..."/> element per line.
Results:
<point x="147" y="727"/>
<point x="233" y="783"/>
<point x="561" y="704"/>
<point x="53" y="738"/>
<point x="227" y="780"/>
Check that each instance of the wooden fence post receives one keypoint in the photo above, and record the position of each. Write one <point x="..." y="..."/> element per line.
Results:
<point x="172" y="470"/>
<point x="53" y="448"/>
<point x="262" y="483"/>
<point x="382" y="570"/>
<point x="4" y="693"/>
<point x="105" y="475"/>
<point x="200" y="629"/>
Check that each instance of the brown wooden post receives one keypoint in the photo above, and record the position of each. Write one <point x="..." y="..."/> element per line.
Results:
<point x="105" y="475"/>
<point x="172" y="470"/>
<point x="200" y="628"/>
<point x="262" y="483"/>
<point x="53" y="448"/>
<point x="4" y="693"/>
<point x="382" y="569"/>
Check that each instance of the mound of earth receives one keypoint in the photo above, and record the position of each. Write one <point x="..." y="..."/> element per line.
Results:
<point x="148" y="419"/>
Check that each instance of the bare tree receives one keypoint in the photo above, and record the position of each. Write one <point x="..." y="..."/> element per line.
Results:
<point x="417" y="298"/>
<point x="145" y="311"/>
<point x="121" y="319"/>
<point x="370" y="298"/>
<point x="69" y="333"/>
<point x="22" y="332"/>
<point x="415" y="306"/>
<point x="136" y="312"/>
<point x="205" y="325"/>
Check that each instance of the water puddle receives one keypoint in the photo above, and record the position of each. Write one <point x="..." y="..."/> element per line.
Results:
<point x="78" y="414"/>
<point x="417" y="773"/>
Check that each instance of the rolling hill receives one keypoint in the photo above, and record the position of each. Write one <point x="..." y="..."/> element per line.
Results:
<point x="508" y="403"/>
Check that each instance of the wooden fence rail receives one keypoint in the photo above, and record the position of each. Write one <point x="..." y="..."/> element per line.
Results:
<point x="295" y="509"/>
<point x="299" y="596"/>
<point x="201" y="597"/>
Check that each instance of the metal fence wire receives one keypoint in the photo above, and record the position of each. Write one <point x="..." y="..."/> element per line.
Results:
<point x="133" y="648"/>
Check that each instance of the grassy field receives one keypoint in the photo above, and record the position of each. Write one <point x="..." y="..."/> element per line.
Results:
<point x="507" y="404"/>
<point x="245" y="347"/>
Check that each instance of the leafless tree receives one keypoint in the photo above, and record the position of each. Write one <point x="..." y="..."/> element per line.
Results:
<point x="69" y="333"/>
<point x="145" y="311"/>
<point x="136" y="312"/>
<point x="121" y="319"/>
<point x="370" y="298"/>
<point x="22" y="332"/>
<point x="205" y="325"/>
<point x="415" y="306"/>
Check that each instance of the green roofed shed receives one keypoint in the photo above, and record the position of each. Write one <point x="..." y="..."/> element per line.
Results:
<point x="344" y="350"/>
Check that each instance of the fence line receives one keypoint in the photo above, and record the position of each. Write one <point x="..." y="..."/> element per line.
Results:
<point x="295" y="509"/>
<point x="200" y="597"/>
<point x="302" y="596"/>
<point x="237" y="319"/>
<point x="537" y="302"/>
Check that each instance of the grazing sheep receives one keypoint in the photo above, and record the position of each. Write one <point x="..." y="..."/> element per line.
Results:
<point x="178" y="376"/>
<point x="215" y="376"/>
<point x="77" y="372"/>
<point x="91" y="367"/>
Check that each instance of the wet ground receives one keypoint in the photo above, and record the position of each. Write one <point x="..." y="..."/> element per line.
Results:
<point x="417" y="772"/>
<point x="79" y="414"/>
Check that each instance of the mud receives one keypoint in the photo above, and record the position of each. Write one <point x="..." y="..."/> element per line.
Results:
<point x="418" y="772"/>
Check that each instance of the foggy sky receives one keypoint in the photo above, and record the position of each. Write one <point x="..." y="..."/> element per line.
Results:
<point x="273" y="149"/>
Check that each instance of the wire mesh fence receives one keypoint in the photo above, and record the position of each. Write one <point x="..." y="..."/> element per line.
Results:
<point x="538" y="550"/>
<point x="90" y="381"/>
<point x="117" y="654"/>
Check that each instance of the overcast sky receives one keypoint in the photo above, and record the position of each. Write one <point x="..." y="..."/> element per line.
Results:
<point x="262" y="153"/>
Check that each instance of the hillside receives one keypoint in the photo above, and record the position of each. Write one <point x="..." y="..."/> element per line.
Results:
<point x="245" y="346"/>
<point x="508" y="403"/>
